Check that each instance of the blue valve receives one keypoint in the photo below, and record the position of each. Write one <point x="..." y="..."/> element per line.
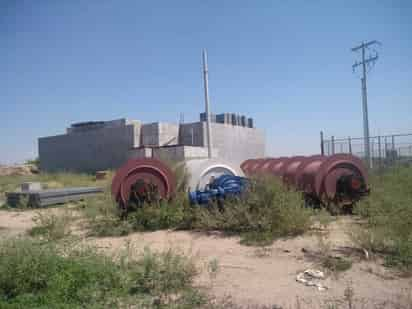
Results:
<point x="219" y="188"/>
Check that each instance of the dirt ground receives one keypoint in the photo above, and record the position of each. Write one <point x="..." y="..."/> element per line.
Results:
<point x="256" y="275"/>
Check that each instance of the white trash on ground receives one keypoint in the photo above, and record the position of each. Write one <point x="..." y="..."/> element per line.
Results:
<point x="311" y="277"/>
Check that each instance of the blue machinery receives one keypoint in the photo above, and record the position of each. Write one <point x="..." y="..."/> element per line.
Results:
<point x="219" y="188"/>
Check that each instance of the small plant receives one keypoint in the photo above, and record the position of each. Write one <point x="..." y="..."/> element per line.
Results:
<point x="51" y="227"/>
<point x="213" y="267"/>
<point x="336" y="263"/>
<point x="349" y="295"/>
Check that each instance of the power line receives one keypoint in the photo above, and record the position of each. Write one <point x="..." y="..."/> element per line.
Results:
<point x="365" y="61"/>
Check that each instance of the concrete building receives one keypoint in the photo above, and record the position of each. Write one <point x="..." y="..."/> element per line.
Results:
<point x="100" y="145"/>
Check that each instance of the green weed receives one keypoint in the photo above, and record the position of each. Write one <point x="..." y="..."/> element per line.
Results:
<point x="266" y="212"/>
<point x="51" y="227"/>
<point x="388" y="212"/>
<point x="40" y="275"/>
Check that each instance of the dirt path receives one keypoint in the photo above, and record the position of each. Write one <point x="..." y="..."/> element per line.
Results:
<point x="256" y="275"/>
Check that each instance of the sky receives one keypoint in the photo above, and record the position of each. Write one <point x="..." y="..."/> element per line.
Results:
<point x="287" y="64"/>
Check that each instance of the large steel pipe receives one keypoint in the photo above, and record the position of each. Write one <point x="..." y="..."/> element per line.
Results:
<point x="340" y="179"/>
<point x="142" y="180"/>
<point x="201" y="172"/>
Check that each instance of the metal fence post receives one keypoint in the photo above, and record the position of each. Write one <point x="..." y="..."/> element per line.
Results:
<point x="393" y="150"/>
<point x="333" y="144"/>
<point x="372" y="144"/>
<point x="350" y="145"/>
<point x="393" y="142"/>
<point x="322" y="147"/>
<point x="380" y="151"/>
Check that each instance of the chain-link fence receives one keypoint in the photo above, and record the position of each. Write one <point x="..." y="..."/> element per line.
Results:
<point x="385" y="150"/>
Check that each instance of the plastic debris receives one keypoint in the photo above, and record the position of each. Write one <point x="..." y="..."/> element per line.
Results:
<point x="311" y="277"/>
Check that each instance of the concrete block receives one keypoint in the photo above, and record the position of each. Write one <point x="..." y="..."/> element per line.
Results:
<point x="192" y="134"/>
<point x="137" y="153"/>
<point x="31" y="186"/>
<point x="180" y="153"/>
<point x="159" y="134"/>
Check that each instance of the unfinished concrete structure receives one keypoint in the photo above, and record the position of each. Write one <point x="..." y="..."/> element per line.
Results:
<point x="99" y="145"/>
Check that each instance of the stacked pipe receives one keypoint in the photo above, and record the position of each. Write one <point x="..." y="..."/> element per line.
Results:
<point x="339" y="179"/>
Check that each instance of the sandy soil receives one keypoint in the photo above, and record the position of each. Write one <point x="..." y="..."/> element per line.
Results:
<point x="264" y="276"/>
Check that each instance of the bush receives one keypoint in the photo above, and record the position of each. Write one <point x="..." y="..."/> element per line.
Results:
<point x="103" y="216"/>
<point x="266" y="212"/>
<point x="388" y="211"/>
<point x="34" y="275"/>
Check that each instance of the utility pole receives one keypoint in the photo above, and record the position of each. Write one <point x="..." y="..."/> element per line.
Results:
<point x="370" y="60"/>
<point x="207" y="107"/>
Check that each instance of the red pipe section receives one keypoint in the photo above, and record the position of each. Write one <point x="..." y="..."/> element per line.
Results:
<point x="339" y="178"/>
<point x="139" y="176"/>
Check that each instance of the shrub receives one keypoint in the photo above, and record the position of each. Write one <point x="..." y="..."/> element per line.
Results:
<point x="34" y="275"/>
<point x="103" y="217"/>
<point x="388" y="211"/>
<point x="267" y="211"/>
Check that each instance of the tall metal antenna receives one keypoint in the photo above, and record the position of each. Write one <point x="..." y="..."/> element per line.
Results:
<point x="207" y="108"/>
<point x="369" y="61"/>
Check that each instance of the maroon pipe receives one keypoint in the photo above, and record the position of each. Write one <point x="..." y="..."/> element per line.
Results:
<point x="340" y="178"/>
<point x="148" y="174"/>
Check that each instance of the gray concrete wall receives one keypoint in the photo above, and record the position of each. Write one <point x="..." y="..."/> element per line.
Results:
<point x="236" y="143"/>
<point x="99" y="125"/>
<point x="150" y="134"/>
<point x="112" y="145"/>
<point x="137" y="153"/>
<point x="191" y="134"/>
<point x="168" y="134"/>
<point x="159" y="134"/>
<point x="180" y="153"/>
<point x="87" y="151"/>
